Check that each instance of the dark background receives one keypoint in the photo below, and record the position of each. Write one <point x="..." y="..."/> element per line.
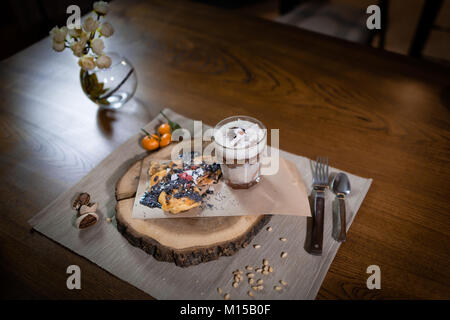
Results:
<point x="24" y="22"/>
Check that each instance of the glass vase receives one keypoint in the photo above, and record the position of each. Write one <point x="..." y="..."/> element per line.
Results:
<point x="110" y="88"/>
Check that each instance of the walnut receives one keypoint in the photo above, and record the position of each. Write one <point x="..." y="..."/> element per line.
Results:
<point x="81" y="200"/>
<point x="90" y="208"/>
<point x="86" y="220"/>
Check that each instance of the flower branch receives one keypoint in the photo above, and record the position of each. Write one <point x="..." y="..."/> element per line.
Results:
<point x="85" y="42"/>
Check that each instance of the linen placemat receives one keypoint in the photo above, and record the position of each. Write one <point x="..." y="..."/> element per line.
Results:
<point x="105" y="246"/>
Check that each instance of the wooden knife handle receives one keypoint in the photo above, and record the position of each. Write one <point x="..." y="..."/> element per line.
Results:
<point x="317" y="225"/>
<point x="342" y="235"/>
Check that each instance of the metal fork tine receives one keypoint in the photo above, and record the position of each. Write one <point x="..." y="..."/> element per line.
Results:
<point x="315" y="176"/>
<point x="318" y="170"/>
<point x="324" y="178"/>
<point x="321" y="170"/>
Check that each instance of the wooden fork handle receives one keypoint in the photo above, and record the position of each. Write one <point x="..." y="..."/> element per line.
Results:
<point x="342" y="235"/>
<point x="317" y="225"/>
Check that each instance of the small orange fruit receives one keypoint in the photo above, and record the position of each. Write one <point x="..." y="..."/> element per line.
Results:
<point x="150" y="143"/>
<point x="166" y="138"/>
<point x="164" y="128"/>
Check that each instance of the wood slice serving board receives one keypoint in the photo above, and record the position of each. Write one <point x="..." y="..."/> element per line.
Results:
<point x="184" y="241"/>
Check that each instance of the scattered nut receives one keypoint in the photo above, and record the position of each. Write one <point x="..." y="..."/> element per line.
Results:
<point x="88" y="208"/>
<point x="86" y="220"/>
<point x="80" y="200"/>
<point x="283" y="239"/>
<point x="256" y="246"/>
<point x="255" y="285"/>
<point x="269" y="229"/>
<point x="108" y="219"/>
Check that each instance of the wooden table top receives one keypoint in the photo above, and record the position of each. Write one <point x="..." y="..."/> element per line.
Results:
<point x="372" y="113"/>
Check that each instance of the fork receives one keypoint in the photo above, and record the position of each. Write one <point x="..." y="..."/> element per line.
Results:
<point x="320" y="183"/>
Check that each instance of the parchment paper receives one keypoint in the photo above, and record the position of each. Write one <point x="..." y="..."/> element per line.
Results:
<point x="282" y="193"/>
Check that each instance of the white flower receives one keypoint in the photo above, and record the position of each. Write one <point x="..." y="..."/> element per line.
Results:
<point x="103" y="62"/>
<point x="101" y="7"/>
<point x="58" y="46"/>
<point x="58" y="35"/>
<point x="90" y="24"/>
<point x="78" y="48"/>
<point x="84" y="36"/>
<point x="75" y="33"/>
<point x="97" y="46"/>
<point x="106" y="29"/>
<point x="87" y="62"/>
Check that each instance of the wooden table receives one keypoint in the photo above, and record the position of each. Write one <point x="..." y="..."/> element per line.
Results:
<point x="374" y="114"/>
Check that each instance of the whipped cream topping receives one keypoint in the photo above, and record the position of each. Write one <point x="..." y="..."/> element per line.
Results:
<point x="239" y="139"/>
<point x="239" y="134"/>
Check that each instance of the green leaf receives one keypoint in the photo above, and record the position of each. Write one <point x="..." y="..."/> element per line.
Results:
<point x="93" y="88"/>
<point x="173" y="125"/>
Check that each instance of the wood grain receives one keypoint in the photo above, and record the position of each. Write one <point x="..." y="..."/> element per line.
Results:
<point x="375" y="114"/>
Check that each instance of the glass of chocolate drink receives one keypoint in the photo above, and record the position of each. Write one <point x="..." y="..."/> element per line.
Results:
<point x="239" y="144"/>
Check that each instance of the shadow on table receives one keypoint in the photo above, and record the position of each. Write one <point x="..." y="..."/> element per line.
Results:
<point x="105" y="119"/>
<point x="134" y="108"/>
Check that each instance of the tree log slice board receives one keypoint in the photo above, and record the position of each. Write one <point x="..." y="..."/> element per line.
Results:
<point x="184" y="241"/>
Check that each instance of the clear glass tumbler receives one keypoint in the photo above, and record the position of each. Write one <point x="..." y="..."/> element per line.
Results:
<point x="239" y="144"/>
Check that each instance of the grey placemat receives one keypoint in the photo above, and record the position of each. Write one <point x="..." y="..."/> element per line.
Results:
<point x="105" y="246"/>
